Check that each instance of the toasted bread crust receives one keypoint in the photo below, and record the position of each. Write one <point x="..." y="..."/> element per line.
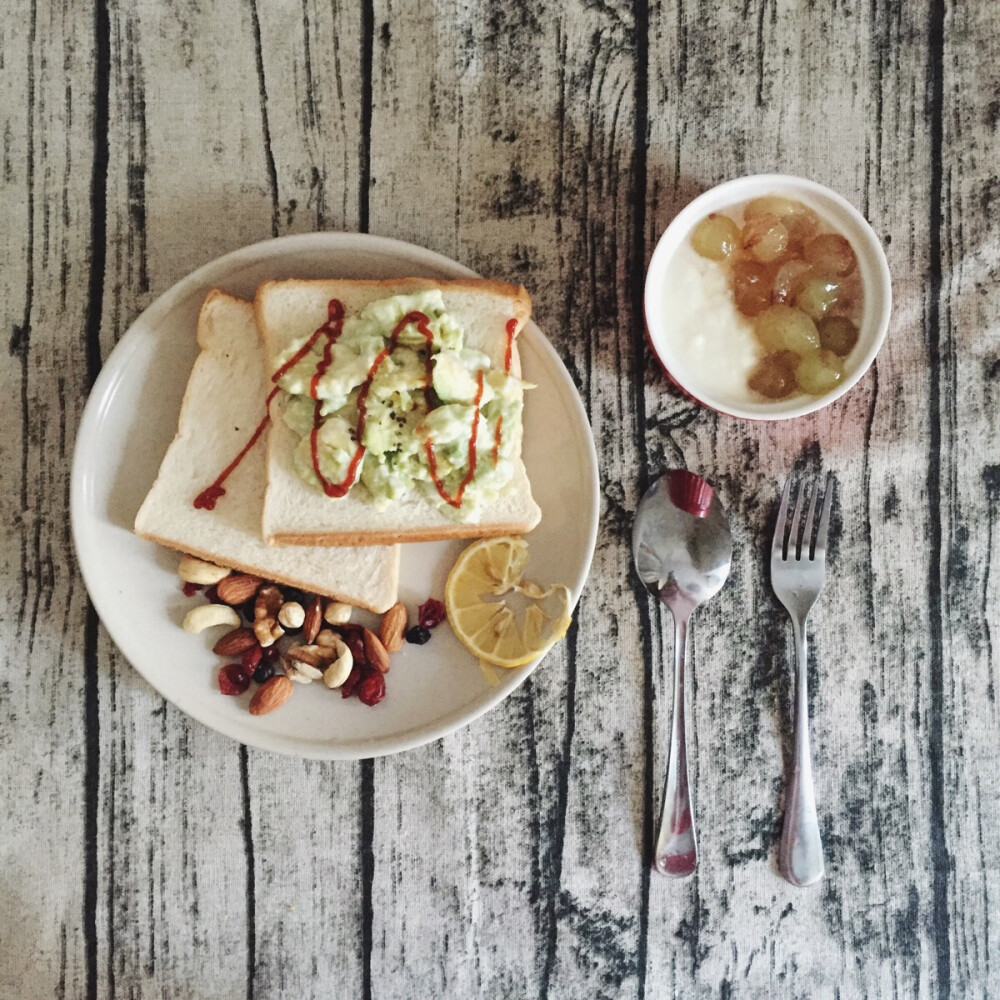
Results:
<point x="375" y="537"/>
<point x="287" y="580"/>
<point x="518" y="294"/>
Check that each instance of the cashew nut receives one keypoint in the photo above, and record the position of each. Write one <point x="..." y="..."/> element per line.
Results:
<point x="338" y="671"/>
<point x="206" y="615"/>
<point x="337" y="613"/>
<point x="193" y="570"/>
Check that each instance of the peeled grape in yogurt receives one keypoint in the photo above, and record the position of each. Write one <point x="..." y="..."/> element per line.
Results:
<point x="796" y="293"/>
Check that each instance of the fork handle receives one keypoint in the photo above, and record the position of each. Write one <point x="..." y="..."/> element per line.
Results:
<point x="800" y="856"/>
<point x="676" y="844"/>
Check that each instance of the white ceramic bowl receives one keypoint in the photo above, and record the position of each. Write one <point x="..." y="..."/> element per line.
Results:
<point x="839" y="215"/>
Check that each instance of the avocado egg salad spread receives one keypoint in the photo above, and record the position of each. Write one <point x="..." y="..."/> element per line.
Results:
<point x="392" y="403"/>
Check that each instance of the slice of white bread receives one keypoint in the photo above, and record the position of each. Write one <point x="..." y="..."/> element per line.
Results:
<point x="223" y="405"/>
<point x="299" y="514"/>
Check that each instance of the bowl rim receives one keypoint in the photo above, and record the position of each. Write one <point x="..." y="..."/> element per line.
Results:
<point x="739" y="189"/>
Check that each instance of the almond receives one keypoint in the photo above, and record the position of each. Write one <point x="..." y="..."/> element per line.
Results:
<point x="237" y="588"/>
<point x="392" y="627"/>
<point x="375" y="652"/>
<point x="313" y="620"/>
<point x="272" y="694"/>
<point x="236" y="642"/>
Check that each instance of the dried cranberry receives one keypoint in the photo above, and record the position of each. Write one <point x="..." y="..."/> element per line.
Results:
<point x="190" y="589"/>
<point x="430" y="614"/>
<point x="251" y="658"/>
<point x="212" y="595"/>
<point x="356" y="644"/>
<point x="233" y="679"/>
<point x="264" y="671"/>
<point x="347" y="688"/>
<point x="271" y="655"/>
<point x="418" y="635"/>
<point x="371" y="690"/>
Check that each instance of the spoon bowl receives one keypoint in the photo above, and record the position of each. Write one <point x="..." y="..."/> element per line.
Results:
<point x="682" y="548"/>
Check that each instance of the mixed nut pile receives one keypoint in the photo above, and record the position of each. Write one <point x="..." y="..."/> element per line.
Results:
<point x="282" y="635"/>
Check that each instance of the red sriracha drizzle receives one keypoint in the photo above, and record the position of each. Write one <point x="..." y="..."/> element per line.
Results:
<point x="334" y="325"/>
<point x="421" y="322"/>
<point x="209" y="497"/>
<point x="511" y="330"/>
<point x="332" y="329"/>
<point x="456" y="500"/>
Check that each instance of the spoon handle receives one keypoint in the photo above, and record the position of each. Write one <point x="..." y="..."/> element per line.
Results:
<point x="676" y="845"/>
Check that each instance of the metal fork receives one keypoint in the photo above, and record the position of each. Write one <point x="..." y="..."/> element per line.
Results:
<point x="798" y="572"/>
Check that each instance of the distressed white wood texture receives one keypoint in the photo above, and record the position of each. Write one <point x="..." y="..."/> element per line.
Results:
<point x="144" y="856"/>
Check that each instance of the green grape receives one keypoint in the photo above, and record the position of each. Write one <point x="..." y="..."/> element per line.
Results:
<point x="774" y="375"/>
<point x="752" y="283"/>
<point x="715" y="237"/>
<point x="801" y="229"/>
<point x="832" y="253"/>
<point x="818" y="372"/>
<point x="837" y="334"/>
<point x="772" y="204"/>
<point x="764" y="237"/>
<point x="783" y="328"/>
<point x="789" y="279"/>
<point x="817" y="296"/>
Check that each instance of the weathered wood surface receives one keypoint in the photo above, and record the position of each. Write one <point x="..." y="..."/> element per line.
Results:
<point x="143" y="855"/>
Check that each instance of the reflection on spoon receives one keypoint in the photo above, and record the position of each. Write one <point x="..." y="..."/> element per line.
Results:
<point x="682" y="550"/>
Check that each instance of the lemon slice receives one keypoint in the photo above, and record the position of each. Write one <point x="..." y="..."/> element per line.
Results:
<point x="499" y="617"/>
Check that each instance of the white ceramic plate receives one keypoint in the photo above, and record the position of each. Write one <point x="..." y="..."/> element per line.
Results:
<point x="127" y="425"/>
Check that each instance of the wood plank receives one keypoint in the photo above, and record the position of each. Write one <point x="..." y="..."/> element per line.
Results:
<point x="525" y="129"/>
<point x="45" y="85"/>
<point x="309" y="834"/>
<point x="798" y="104"/>
<point x="967" y="349"/>
<point x="186" y="181"/>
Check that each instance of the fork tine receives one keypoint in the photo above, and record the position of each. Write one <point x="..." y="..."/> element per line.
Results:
<point x="824" y="519"/>
<point x="778" y="544"/>
<point x="807" y="532"/>
<point x="793" y="535"/>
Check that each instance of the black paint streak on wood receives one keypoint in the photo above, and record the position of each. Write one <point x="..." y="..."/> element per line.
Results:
<point x="991" y="480"/>
<point x="92" y="335"/>
<point x="935" y="599"/>
<point x="367" y="832"/>
<point x="98" y="189"/>
<point x="557" y="835"/>
<point x="272" y="171"/>
<point x="91" y="791"/>
<point x="367" y="60"/>
<point x="761" y="14"/>
<point x="21" y="335"/>
<point x="311" y="110"/>
<point x="637" y="269"/>
<point x="538" y="863"/>
<point x="137" y="166"/>
<point x="367" y="873"/>
<point x="251" y="888"/>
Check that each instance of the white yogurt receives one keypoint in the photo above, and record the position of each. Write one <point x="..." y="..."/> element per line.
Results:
<point x="714" y="344"/>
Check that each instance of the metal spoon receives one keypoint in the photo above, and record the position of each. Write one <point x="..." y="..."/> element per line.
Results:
<point x="682" y="550"/>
